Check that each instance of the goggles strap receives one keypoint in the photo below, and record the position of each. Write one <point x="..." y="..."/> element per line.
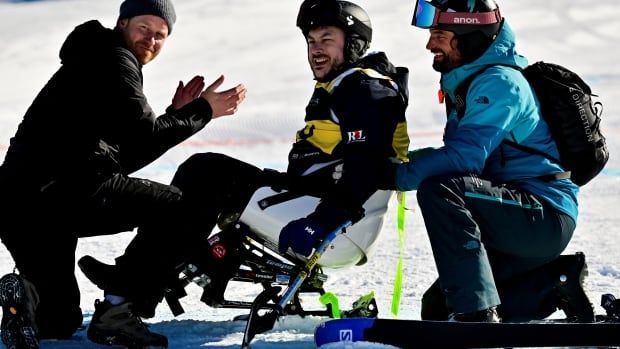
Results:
<point x="468" y="18"/>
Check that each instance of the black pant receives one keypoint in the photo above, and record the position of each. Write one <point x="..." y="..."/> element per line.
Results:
<point x="172" y="221"/>
<point x="211" y="184"/>
<point x="40" y="230"/>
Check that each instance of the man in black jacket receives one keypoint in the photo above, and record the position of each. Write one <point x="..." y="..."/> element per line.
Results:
<point x="66" y="172"/>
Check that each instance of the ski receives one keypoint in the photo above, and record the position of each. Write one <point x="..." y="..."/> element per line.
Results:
<point x="444" y="334"/>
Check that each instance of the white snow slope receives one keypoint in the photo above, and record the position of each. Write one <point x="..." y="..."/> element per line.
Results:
<point x="257" y="43"/>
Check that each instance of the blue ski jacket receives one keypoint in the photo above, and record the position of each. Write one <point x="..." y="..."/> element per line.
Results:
<point x="500" y="104"/>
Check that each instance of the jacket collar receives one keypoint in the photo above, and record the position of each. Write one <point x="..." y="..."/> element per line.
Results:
<point x="502" y="51"/>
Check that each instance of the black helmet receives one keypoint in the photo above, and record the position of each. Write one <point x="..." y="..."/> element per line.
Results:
<point x="475" y="22"/>
<point x="349" y="17"/>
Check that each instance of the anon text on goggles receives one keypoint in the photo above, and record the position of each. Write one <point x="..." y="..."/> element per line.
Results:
<point x="428" y="16"/>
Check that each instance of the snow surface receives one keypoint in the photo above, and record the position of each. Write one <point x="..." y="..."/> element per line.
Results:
<point x="257" y="43"/>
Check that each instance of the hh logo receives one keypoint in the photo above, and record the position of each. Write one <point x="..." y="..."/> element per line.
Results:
<point x="356" y="136"/>
<point x="346" y="335"/>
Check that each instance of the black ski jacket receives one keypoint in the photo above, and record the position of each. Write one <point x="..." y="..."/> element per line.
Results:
<point x="92" y="120"/>
<point x="356" y="119"/>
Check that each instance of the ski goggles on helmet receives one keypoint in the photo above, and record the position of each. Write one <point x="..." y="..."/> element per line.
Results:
<point x="426" y="16"/>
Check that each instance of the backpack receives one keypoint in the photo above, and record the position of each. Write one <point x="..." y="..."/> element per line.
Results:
<point x="573" y="119"/>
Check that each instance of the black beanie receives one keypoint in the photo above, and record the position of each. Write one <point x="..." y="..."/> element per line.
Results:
<point x="159" y="8"/>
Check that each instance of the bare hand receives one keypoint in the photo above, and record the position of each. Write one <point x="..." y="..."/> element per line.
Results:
<point x="225" y="102"/>
<point x="189" y="92"/>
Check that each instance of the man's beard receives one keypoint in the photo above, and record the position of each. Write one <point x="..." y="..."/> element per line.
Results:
<point x="448" y="61"/>
<point x="329" y="75"/>
<point x="143" y="54"/>
<point x="442" y="67"/>
<point x="445" y="65"/>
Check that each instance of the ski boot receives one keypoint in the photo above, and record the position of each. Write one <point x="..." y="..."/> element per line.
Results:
<point x="571" y="271"/>
<point x="611" y="306"/>
<point x="217" y="263"/>
<point x="19" y="300"/>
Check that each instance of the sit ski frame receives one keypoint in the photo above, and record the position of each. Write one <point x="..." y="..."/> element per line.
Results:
<point x="276" y="273"/>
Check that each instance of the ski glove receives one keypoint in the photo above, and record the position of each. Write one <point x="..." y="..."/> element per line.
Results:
<point x="301" y="235"/>
<point x="387" y="175"/>
<point x="387" y="170"/>
<point x="278" y="181"/>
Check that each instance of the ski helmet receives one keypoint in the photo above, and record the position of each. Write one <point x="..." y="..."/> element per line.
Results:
<point x="474" y="22"/>
<point x="349" y="17"/>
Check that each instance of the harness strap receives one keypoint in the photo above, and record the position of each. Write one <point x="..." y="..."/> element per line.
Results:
<point x="279" y="198"/>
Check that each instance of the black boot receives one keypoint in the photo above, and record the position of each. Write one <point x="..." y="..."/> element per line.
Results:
<point x="219" y="258"/>
<point x="112" y="280"/>
<point x="104" y="276"/>
<point x="570" y="272"/>
<point x="533" y="295"/>
<point x="118" y="325"/>
<point x="485" y="315"/>
<point x="19" y="301"/>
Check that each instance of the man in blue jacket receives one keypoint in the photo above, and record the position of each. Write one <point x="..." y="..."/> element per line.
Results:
<point x="492" y="211"/>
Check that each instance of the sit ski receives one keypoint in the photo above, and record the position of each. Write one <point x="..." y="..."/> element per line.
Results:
<point x="245" y="250"/>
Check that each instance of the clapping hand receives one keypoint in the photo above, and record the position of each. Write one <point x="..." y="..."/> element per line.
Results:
<point x="225" y="102"/>
<point x="187" y="93"/>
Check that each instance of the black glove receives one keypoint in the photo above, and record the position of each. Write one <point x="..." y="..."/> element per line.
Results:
<point x="387" y="175"/>
<point x="417" y="153"/>
<point x="277" y="180"/>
